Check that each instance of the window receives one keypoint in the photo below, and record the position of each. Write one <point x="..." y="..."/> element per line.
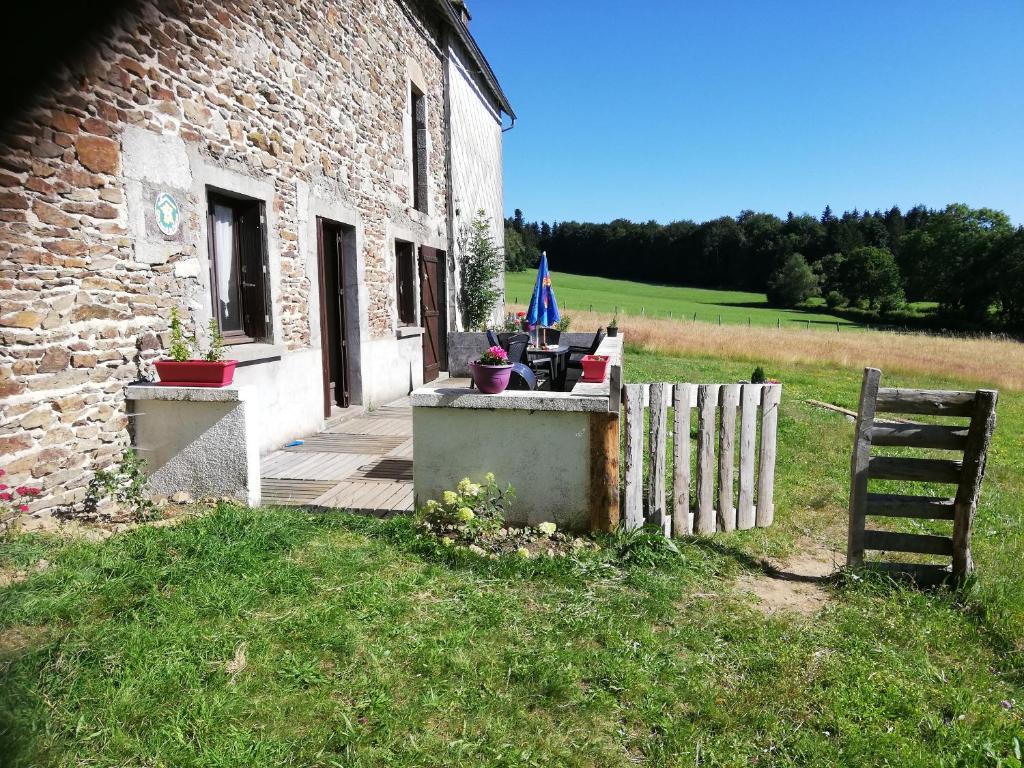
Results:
<point x="418" y="121"/>
<point x="238" y="271"/>
<point x="405" y="282"/>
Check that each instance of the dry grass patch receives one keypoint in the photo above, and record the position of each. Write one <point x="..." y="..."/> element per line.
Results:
<point x="996" y="361"/>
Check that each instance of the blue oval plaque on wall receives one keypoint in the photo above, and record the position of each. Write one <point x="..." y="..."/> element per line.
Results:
<point x="168" y="214"/>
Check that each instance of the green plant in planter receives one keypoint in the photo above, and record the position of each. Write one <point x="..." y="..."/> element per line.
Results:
<point x="758" y="377"/>
<point x="216" y="351"/>
<point x="482" y="265"/>
<point x="564" y="324"/>
<point x="181" y="345"/>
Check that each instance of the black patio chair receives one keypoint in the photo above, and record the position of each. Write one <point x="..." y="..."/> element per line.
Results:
<point x="551" y="335"/>
<point x="522" y="377"/>
<point x="492" y="339"/>
<point x="517" y="345"/>
<point x="576" y="354"/>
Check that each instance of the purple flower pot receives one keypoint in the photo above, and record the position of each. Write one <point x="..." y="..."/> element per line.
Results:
<point x="491" y="379"/>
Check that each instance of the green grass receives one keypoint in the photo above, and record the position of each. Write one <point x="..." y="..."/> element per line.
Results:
<point x="581" y="292"/>
<point x="366" y="646"/>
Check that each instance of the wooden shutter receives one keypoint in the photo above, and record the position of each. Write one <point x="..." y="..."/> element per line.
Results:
<point x="253" y="266"/>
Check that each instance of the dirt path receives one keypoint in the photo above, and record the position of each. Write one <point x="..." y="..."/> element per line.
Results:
<point x="796" y="585"/>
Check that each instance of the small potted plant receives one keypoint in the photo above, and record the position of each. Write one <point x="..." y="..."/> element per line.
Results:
<point x="182" y="370"/>
<point x="594" y="367"/>
<point x="491" y="372"/>
<point x="613" y="326"/>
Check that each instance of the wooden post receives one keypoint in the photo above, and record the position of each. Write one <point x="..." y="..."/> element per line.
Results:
<point x="771" y="396"/>
<point x="859" y="466"/>
<point x="726" y="459"/>
<point x="633" y="508"/>
<point x="965" y="505"/>
<point x="682" y="520"/>
<point x="604" y="471"/>
<point x="750" y="399"/>
<point x="707" y="404"/>
<point x="658" y="447"/>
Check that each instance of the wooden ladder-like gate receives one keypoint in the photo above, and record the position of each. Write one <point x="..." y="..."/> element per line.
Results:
<point x="971" y="440"/>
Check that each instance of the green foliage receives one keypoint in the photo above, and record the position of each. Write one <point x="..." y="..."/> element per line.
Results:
<point x="793" y="283"/>
<point x="216" y="351"/>
<point x="477" y="508"/>
<point x="126" y="484"/>
<point x="758" y="377"/>
<point x="518" y="257"/>
<point x="564" y="324"/>
<point x="481" y="269"/>
<point x="510" y="324"/>
<point x="870" y="277"/>
<point x="646" y="546"/>
<point x="181" y="346"/>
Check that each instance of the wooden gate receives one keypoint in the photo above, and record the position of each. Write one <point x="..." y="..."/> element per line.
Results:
<point x="431" y="307"/>
<point x="970" y="440"/>
<point x="718" y="507"/>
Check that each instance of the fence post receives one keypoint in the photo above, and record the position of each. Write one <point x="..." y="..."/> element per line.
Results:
<point x="859" y="466"/>
<point x="750" y="399"/>
<point x="658" y="447"/>
<point x="983" y="422"/>
<point x="770" y="396"/>
<point x="707" y="404"/>
<point x="633" y="513"/>
<point x="726" y="449"/>
<point x="682" y="520"/>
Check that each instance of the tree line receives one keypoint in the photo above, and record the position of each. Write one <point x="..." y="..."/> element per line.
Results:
<point x="968" y="261"/>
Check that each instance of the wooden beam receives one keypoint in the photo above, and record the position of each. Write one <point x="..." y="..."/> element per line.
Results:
<point x="707" y="405"/>
<point x="934" y="402"/>
<point x="944" y="437"/>
<point x="915" y="470"/>
<point x="983" y="423"/>
<point x="730" y="399"/>
<point x="657" y="450"/>
<point x="771" y="397"/>
<point x="682" y="519"/>
<point x="750" y="399"/>
<point x="604" y="471"/>
<point x="923" y="574"/>
<point x="919" y="507"/>
<point x="633" y="507"/>
<point x="893" y="541"/>
<point x="859" y="466"/>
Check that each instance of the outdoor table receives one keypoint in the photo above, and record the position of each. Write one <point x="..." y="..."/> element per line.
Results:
<point x="560" y="355"/>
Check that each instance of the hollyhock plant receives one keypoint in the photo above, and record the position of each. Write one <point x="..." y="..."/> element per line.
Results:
<point x="11" y="502"/>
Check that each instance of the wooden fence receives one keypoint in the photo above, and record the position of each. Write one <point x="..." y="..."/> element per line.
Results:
<point x="718" y="506"/>
<point x="971" y="440"/>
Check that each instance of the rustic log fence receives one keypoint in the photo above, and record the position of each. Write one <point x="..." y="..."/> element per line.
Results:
<point x="720" y="506"/>
<point x="972" y="440"/>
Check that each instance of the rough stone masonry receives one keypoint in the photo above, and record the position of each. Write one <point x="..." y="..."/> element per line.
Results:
<point x="290" y="93"/>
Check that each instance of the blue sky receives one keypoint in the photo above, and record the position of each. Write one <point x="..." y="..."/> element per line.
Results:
<point x="691" y="110"/>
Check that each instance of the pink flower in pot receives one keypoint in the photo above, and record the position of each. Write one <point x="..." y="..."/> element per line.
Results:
<point x="491" y="372"/>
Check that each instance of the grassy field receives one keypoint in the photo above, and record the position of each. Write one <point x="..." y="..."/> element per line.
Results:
<point x="581" y="292"/>
<point x="278" y="637"/>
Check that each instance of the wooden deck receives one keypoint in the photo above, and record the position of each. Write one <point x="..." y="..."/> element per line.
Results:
<point x="361" y="462"/>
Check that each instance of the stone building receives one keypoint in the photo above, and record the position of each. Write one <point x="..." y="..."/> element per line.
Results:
<point x="297" y="171"/>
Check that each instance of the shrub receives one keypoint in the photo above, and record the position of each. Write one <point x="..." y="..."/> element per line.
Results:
<point x="481" y="272"/>
<point x="126" y="484"/>
<point x="757" y="377"/>
<point x="793" y="283"/>
<point x="473" y="508"/>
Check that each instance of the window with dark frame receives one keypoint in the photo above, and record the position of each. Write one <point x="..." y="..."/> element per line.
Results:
<point x="405" y="282"/>
<point x="418" y="114"/>
<point x="238" y="268"/>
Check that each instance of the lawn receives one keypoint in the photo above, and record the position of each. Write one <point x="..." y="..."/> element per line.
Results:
<point x="603" y="295"/>
<point x="280" y="637"/>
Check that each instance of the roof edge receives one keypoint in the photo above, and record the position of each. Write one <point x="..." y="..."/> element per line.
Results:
<point x="466" y="38"/>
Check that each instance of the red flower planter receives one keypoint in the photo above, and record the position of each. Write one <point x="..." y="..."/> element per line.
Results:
<point x="594" y="367"/>
<point x="196" y="373"/>
<point x="491" y="379"/>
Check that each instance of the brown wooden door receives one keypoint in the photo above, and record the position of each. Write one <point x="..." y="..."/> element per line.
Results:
<point x="333" y="342"/>
<point x="432" y="298"/>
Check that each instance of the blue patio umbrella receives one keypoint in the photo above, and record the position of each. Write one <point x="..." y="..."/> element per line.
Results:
<point x="543" y="311"/>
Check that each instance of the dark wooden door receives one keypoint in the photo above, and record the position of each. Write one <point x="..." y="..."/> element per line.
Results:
<point x="432" y="297"/>
<point x="333" y="342"/>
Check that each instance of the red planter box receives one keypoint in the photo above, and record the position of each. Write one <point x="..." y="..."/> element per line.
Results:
<point x="594" y="367"/>
<point x="196" y="373"/>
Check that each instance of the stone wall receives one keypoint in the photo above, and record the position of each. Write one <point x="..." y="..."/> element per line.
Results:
<point x="289" y="94"/>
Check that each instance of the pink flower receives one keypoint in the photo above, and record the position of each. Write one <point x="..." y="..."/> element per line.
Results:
<point x="5" y="496"/>
<point x="25" y="490"/>
<point x="3" y="472"/>
<point x="3" y="487"/>
<point x="23" y="507"/>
